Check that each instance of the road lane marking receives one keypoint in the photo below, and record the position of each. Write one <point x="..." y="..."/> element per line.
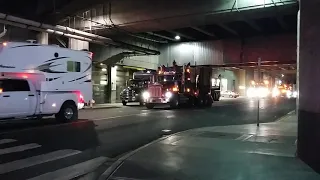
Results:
<point x="19" y="148"/>
<point x="35" y="160"/>
<point x="4" y="141"/>
<point x="74" y="171"/>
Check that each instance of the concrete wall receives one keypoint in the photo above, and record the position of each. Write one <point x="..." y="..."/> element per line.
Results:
<point x="273" y="48"/>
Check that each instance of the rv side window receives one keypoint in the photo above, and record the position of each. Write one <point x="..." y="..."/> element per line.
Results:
<point x="10" y="85"/>
<point x="73" y="66"/>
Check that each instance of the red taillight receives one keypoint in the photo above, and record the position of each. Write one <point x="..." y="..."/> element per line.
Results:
<point x="81" y="99"/>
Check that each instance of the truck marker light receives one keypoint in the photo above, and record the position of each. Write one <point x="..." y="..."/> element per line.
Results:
<point x="175" y="89"/>
<point x="188" y="89"/>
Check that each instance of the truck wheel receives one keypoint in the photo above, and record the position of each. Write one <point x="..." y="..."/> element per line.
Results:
<point x="124" y="103"/>
<point x="149" y="106"/>
<point x="174" y="103"/>
<point x="67" y="113"/>
<point x="209" y="101"/>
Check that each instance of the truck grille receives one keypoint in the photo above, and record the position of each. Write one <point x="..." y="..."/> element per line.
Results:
<point x="155" y="91"/>
<point x="128" y="93"/>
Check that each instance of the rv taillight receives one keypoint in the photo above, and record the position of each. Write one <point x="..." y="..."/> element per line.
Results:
<point x="91" y="55"/>
<point x="81" y="99"/>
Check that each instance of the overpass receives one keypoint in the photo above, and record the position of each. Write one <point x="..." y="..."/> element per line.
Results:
<point x="226" y="33"/>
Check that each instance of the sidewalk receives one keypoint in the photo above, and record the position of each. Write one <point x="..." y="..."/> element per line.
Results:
<point x="238" y="152"/>
<point x="104" y="106"/>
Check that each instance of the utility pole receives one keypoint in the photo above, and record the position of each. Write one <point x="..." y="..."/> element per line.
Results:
<point x="259" y="81"/>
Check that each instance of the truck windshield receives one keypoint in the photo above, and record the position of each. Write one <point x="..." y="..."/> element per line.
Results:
<point x="138" y="83"/>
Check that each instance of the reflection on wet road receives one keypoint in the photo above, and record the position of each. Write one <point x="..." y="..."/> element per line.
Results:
<point x="105" y="134"/>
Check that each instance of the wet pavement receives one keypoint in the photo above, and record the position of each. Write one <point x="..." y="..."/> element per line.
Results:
<point x="101" y="136"/>
<point x="225" y="152"/>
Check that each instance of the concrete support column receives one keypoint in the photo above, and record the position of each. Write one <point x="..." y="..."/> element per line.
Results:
<point x="242" y="82"/>
<point x="43" y="38"/>
<point x="308" y="84"/>
<point x="78" y="44"/>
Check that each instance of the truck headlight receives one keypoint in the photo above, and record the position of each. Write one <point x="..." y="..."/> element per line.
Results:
<point x="145" y="95"/>
<point x="168" y="95"/>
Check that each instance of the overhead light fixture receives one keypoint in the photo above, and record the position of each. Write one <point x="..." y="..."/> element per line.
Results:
<point x="177" y="37"/>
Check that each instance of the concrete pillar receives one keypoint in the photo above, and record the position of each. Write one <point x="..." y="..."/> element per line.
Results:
<point x="43" y="38"/>
<point x="308" y="73"/>
<point x="249" y="77"/>
<point x="78" y="44"/>
<point x="113" y="84"/>
<point x="242" y="82"/>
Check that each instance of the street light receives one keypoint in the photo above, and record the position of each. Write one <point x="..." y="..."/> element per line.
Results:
<point x="177" y="37"/>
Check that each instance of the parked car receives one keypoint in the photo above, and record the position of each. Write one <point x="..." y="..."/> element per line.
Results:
<point x="230" y="94"/>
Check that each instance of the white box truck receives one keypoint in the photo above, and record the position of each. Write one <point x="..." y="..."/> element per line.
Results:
<point x="43" y="80"/>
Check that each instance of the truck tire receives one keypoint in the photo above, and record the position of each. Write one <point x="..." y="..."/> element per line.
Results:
<point x="124" y="103"/>
<point x="149" y="106"/>
<point x="67" y="113"/>
<point x="209" y="101"/>
<point x="175" y="103"/>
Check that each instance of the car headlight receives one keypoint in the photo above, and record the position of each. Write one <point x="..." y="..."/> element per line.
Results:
<point x="145" y="95"/>
<point x="168" y="95"/>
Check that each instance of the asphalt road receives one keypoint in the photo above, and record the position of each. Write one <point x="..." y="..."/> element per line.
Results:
<point x="32" y="148"/>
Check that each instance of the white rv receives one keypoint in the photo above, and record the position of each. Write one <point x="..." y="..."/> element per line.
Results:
<point x="42" y="80"/>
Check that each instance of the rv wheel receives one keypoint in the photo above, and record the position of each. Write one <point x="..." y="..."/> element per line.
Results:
<point x="67" y="113"/>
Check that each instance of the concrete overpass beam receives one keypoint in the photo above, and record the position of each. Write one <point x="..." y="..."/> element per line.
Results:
<point x="308" y="85"/>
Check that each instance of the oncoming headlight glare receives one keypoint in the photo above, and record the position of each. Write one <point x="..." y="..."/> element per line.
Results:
<point x="145" y="95"/>
<point x="168" y="94"/>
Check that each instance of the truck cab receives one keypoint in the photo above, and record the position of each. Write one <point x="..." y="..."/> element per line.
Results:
<point x="136" y="86"/>
<point x="133" y="93"/>
<point x="17" y="97"/>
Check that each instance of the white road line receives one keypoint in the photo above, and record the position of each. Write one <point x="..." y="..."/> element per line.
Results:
<point x="241" y="137"/>
<point x="35" y="160"/>
<point x="19" y="148"/>
<point x="4" y="141"/>
<point x="74" y="171"/>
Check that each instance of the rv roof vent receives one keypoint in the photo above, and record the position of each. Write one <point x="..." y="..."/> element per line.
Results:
<point x="32" y="41"/>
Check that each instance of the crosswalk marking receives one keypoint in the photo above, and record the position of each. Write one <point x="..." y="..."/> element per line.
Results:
<point x="74" y="171"/>
<point x="4" y="141"/>
<point x="35" y="160"/>
<point x="19" y="148"/>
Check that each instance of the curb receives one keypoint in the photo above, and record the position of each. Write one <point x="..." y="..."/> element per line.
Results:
<point x="282" y="118"/>
<point x="109" y="107"/>
<point x="116" y="165"/>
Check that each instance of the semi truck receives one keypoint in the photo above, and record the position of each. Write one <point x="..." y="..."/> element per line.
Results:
<point x="179" y="85"/>
<point x="43" y="80"/>
<point x="137" y="85"/>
